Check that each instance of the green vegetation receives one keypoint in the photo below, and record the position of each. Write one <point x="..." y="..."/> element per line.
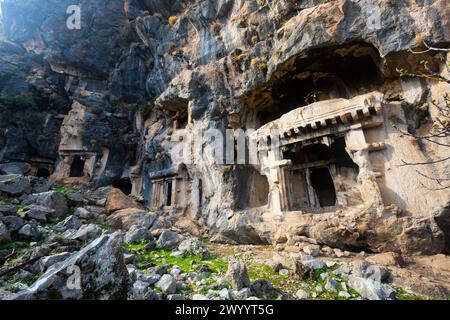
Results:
<point x="187" y="263"/>
<point x="64" y="190"/>
<point x="404" y="295"/>
<point x="18" y="101"/>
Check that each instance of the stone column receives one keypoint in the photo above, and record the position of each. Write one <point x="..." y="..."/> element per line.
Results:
<point x="358" y="150"/>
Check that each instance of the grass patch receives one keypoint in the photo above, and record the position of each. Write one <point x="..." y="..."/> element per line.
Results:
<point x="187" y="263"/>
<point x="404" y="295"/>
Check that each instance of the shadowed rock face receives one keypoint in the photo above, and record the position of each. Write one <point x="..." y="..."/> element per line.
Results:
<point x="110" y="95"/>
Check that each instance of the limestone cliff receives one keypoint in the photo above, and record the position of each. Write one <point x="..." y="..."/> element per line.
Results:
<point x="103" y="104"/>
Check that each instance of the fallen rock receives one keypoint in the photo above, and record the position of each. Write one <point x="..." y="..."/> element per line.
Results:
<point x="370" y="289"/>
<point x="76" y="199"/>
<point x="168" y="240"/>
<point x="87" y="232"/>
<point x="126" y="218"/>
<point x="193" y="247"/>
<point x="38" y="213"/>
<point x="312" y="250"/>
<point x="5" y="236"/>
<point x="9" y="210"/>
<point x="96" y="272"/>
<point x="142" y="291"/>
<point x="51" y="199"/>
<point x="167" y="284"/>
<point x="237" y="274"/>
<point x="14" y="185"/>
<point x="302" y="295"/>
<point x="13" y="223"/>
<point x="365" y="270"/>
<point x="117" y="200"/>
<point x="136" y="234"/>
<point x="20" y="168"/>
<point x="27" y="233"/>
<point x="47" y="262"/>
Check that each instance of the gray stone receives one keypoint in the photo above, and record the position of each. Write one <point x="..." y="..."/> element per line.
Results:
<point x="244" y="293"/>
<point x="83" y="213"/>
<point x="9" y="210"/>
<point x="87" y="232"/>
<point x="364" y="269"/>
<point x="71" y="222"/>
<point x="142" y="291"/>
<point x="136" y="234"/>
<point x="313" y="263"/>
<point x="24" y="275"/>
<point x="168" y="240"/>
<point x="175" y="297"/>
<point x="370" y="289"/>
<point x="275" y="266"/>
<point x="51" y="199"/>
<point x="200" y="297"/>
<point x="301" y="294"/>
<point x="167" y="284"/>
<point x="76" y="199"/>
<point x="193" y="247"/>
<point x="14" y="185"/>
<point x="101" y="265"/>
<point x="27" y="233"/>
<point x="284" y="272"/>
<point x="332" y="285"/>
<point x="224" y="294"/>
<point x="20" y="168"/>
<point x="237" y="274"/>
<point x="48" y="261"/>
<point x="344" y="294"/>
<point x="149" y="278"/>
<point x="13" y="223"/>
<point x="5" y="236"/>
<point x="38" y="213"/>
<point x="262" y="288"/>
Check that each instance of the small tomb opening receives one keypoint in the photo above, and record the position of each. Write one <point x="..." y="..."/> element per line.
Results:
<point x="77" y="167"/>
<point x="123" y="185"/>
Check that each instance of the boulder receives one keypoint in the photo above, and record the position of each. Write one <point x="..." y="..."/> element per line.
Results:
<point x="38" y="213"/>
<point x="193" y="247"/>
<point x="365" y="270"/>
<point x="370" y="289"/>
<point x="126" y="218"/>
<point x="117" y="200"/>
<point x="167" y="284"/>
<point x="47" y="262"/>
<point x="96" y="272"/>
<point x="20" y="168"/>
<point x="72" y="222"/>
<point x="142" y="291"/>
<point x="87" y="232"/>
<point x="51" y="199"/>
<point x="27" y="233"/>
<point x="76" y="199"/>
<point x="332" y="285"/>
<point x="262" y="288"/>
<point x="5" y="236"/>
<point x="14" y="185"/>
<point x="237" y="274"/>
<point x="302" y="295"/>
<point x="9" y="210"/>
<point x="168" y="240"/>
<point x="13" y="223"/>
<point x="136" y="234"/>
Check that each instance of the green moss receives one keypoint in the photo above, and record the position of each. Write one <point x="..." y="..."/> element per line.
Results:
<point x="404" y="295"/>
<point x="164" y="257"/>
<point x="64" y="190"/>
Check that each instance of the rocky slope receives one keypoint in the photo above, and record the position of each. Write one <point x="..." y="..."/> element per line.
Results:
<point x="102" y="105"/>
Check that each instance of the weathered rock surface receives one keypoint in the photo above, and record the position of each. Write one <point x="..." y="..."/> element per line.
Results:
<point x="237" y="274"/>
<point x="96" y="272"/>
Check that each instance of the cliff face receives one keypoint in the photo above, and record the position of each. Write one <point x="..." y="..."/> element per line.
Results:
<point x="108" y="101"/>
